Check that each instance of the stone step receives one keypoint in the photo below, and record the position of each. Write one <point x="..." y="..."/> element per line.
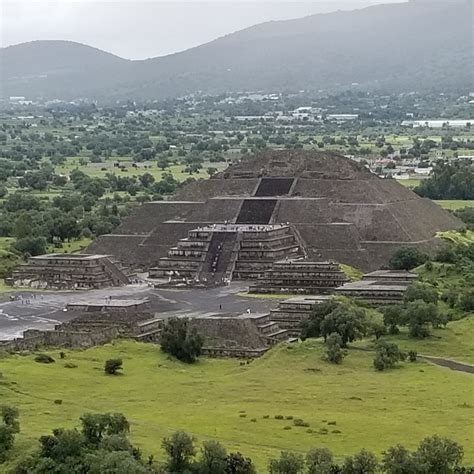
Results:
<point x="268" y="328"/>
<point x="279" y="335"/>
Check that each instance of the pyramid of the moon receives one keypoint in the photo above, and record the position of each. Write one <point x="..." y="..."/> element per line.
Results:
<point x="334" y="208"/>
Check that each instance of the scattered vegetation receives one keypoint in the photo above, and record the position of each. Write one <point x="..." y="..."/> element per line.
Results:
<point x="178" y="340"/>
<point x="112" y="366"/>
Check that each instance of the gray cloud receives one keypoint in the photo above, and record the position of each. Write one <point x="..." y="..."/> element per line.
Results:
<point x="140" y="29"/>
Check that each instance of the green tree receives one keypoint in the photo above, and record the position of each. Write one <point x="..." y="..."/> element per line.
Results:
<point x="287" y="463"/>
<point x="31" y="245"/>
<point x="420" y="316"/>
<point x="334" y="351"/>
<point x="238" y="464"/>
<point x="62" y="444"/>
<point x="9" y="426"/>
<point x="213" y="459"/>
<point x="319" y="461"/>
<point x="394" y="316"/>
<point x="180" y="450"/>
<point x="466" y="301"/>
<point x="363" y="462"/>
<point x="350" y="323"/>
<point x="407" y="258"/>
<point x="421" y="291"/>
<point x="95" y="426"/>
<point x="146" y="179"/>
<point x="439" y="455"/>
<point x="387" y="355"/>
<point x="399" y="460"/>
<point x="115" y="462"/>
<point x="181" y="342"/>
<point x="312" y="326"/>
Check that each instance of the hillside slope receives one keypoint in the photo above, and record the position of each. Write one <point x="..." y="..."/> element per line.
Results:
<point x="408" y="46"/>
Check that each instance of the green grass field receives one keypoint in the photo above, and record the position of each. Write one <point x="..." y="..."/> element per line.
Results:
<point x="409" y="183"/>
<point x="217" y="399"/>
<point x="71" y="247"/>
<point x="99" y="172"/>
<point x="456" y="342"/>
<point x="453" y="205"/>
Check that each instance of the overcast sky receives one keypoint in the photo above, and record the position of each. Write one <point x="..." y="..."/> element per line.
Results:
<point x="137" y="29"/>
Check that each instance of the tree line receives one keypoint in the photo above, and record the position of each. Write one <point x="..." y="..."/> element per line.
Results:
<point x="101" y="446"/>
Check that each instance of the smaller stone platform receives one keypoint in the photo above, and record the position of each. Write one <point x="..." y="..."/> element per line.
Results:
<point x="109" y="304"/>
<point x="69" y="271"/>
<point x="381" y="287"/>
<point x="292" y="312"/>
<point x="302" y="276"/>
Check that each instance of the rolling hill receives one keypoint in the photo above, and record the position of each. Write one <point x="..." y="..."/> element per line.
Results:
<point x="405" y="46"/>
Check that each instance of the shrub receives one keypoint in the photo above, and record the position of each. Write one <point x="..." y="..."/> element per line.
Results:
<point x="44" y="359"/>
<point x="180" y="342"/>
<point x="412" y="356"/>
<point x="466" y="301"/>
<point x="238" y="464"/>
<point x="112" y="366"/>
<point x="95" y="426"/>
<point x="407" y="258"/>
<point x="70" y="365"/>
<point x="7" y="438"/>
<point x="9" y="426"/>
<point x="421" y="291"/>
<point x="334" y="352"/>
<point x="387" y="355"/>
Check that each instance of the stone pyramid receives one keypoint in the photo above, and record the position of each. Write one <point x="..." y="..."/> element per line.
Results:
<point x="336" y="208"/>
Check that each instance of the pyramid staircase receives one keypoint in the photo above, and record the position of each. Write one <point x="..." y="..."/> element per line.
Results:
<point x="219" y="253"/>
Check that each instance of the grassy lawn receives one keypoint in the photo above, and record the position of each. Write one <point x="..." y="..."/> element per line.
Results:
<point x="71" y="247"/>
<point x="217" y="399"/>
<point x="101" y="171"/>
<point x="456" y="342"/>
<point x="454" y="204"/>
<point x="410" y="183"/>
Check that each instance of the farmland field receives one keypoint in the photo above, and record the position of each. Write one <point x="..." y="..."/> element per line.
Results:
<point x="347" y="407"/>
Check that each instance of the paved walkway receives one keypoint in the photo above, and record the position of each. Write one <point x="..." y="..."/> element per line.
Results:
<point x="44" y="310"/>
<point x="450" y="364"/>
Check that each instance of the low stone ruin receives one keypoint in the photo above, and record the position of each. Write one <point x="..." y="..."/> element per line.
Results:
<point x="69" y="271"/>
<point x="292" y="312"/>
<point x="381" y="287"/>
<point x="300" y="276"/>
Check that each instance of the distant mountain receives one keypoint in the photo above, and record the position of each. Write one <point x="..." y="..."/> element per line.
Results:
<point x="405" y="46"/>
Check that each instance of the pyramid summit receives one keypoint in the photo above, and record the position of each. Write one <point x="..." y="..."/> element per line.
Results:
<point x="274" y="205"/>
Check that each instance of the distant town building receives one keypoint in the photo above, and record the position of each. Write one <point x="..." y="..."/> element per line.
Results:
<point x="437" y="123"/>
<point x="342" y="117"/>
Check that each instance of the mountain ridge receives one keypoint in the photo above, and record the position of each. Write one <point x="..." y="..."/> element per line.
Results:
<point x="377" y="46"/>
